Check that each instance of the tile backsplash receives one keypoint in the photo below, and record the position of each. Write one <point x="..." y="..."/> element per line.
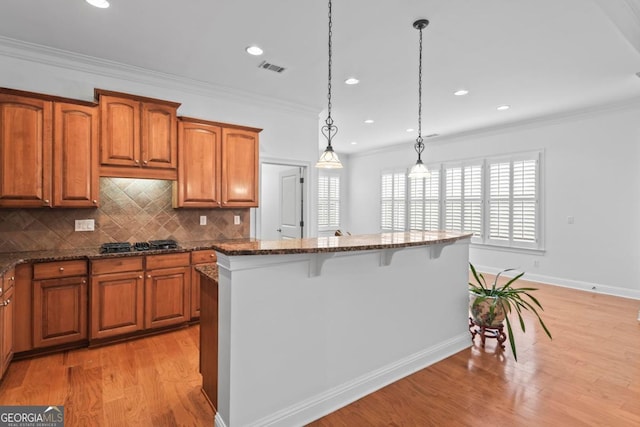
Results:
<point x="130" y="210"/>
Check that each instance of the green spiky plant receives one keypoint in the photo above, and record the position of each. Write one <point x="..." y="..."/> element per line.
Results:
<point x="510" y="298"/>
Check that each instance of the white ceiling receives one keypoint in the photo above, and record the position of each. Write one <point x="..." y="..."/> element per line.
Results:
<point x="542" y="57"/>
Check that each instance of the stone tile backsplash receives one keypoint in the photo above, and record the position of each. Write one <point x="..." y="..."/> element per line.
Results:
<point x="130" y="210"/>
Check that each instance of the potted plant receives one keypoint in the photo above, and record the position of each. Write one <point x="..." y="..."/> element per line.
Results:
<point x="491" y="305"/>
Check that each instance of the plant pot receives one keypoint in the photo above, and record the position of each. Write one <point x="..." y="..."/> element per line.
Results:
<point x="486" y="311"/>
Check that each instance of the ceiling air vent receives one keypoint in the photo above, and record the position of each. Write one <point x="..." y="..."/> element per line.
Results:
<point x="433" y="135"/>
<point x="271" y="67"/>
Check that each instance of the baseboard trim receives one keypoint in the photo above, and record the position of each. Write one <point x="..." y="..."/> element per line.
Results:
<point x="597" y="288"/>
<point x="324" y="403"/>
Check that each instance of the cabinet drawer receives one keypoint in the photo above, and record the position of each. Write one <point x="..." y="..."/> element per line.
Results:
<point x="203" y="257"/>
<point x="56" y="269"/>
<point x="116" y="265"/>
<point x="167" y="260"/>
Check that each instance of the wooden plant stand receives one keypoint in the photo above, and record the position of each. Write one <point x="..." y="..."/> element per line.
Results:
<point x="487" y="332"/>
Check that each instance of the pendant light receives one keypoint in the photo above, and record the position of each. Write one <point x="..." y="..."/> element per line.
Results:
<point x="419" y="170"/>
<point x="329" y="159"/>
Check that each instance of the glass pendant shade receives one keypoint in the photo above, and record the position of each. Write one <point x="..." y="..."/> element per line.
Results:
<point x="329" y="159"/>
<point x="419" y="170"/>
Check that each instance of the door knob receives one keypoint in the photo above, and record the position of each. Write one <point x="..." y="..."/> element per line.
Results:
<point x="279" y="230"/>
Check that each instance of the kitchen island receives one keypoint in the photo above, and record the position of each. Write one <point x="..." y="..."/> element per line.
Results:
<point x="307" y="326"/>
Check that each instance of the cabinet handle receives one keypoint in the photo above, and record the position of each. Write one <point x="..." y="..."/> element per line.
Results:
<point x="61" y="269"/>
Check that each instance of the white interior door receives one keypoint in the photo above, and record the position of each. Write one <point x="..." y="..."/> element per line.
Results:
<point x="291" y="225"/>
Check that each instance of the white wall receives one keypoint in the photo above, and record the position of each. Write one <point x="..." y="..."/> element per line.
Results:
<point x="591" y="171"/>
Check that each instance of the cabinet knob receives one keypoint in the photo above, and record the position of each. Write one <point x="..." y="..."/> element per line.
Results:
<point x="46" y="201"/>
<point x="144" y="162"/>
<point x="61" y="269"/>
<point x="95" y="202"/>
<point x="136" y="161"/>
<point x="139" y="277"/>
<point x="212" y="255"/>
<point x="0" y="290"/>
<point x="148" y="276"/>
<point x="6" y="303"/>
<point x="84" y="282"/>
<point x="12" y="278"/>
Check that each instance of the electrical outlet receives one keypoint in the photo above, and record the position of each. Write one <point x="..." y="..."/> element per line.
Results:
<point x="203" y="220"/>
<point x="85" y="225"/>
<point x="570" y="220"/>
<point x="236" y="219"/>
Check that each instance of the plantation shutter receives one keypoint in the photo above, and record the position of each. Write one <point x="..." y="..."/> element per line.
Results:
<point x="329" y="201"/>
<point x="453" y="198"/>
<point x="424" y="202"/>
<point x="513" y="202"/>
<point x="472" y="195"/>
<point x="393" y="201"/>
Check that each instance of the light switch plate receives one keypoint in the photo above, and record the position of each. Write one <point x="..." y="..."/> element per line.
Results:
<point x="203" y="220"/>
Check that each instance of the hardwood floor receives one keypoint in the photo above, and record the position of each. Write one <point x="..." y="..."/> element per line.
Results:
<point x="589" y="375"/>
<point x="151" y="381"/>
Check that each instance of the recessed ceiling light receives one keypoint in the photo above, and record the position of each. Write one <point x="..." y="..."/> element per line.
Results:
<point x="461" y="92"/>
<point x="354" y="143"/>
<point x="410" y="130"/>
<point x="352" y="81"/>
<point x="254" y="50"/>
<point x="102" y="4"/>
<point x="368" y="121"/>
<point x="503" y="107"/>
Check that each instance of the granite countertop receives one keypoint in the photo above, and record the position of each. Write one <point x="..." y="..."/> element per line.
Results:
<point x="209" y="270"/>
<point x="361" y="242"/>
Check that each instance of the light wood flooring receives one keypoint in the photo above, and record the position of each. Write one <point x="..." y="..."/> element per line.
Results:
<point x="589" y="375"/>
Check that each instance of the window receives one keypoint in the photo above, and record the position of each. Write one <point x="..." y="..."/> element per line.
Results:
<point x="393" y="209"/>
<point x="496" y="199"/>
<point x="424" y="202"/>
<point x="513" y="202"/>
<point x="328" y="201"/>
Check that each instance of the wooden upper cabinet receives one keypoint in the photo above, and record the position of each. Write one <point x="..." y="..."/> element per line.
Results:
<point x="138" y="137"/>
<point x="25" y="151"/>
<point x="217" y="165"/>
<point x="198" y="182"/>
<point x="239" y="168"/>
<point x="75" y="156"/>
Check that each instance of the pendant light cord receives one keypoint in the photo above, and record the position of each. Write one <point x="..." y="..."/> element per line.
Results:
<point x="329" y="120"/>
<point x="419" y="146"/>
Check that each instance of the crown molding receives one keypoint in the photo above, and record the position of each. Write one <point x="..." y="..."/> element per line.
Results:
<point x="78" y="62"/>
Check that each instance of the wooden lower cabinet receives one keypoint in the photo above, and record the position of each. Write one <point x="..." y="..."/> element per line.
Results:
<point x="201" y="257"/>
<point x="60" y="309"/>
<point x="167" y="286"/>
<point x="209" y="339"/>
<point x="117" y="297"/>
<point x="7" y="305"/>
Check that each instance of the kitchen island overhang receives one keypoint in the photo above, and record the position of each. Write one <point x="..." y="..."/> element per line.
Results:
<point x="307" y="326"/>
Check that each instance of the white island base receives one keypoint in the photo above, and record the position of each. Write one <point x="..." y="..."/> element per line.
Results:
<point x="301" y="335"/>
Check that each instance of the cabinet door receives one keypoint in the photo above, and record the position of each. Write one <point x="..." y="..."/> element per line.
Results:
<point x="75" y="156"/>
<point x="239" y="168"/>
<point x="117" y="304"/>
<point x="60" y="309"/>
<point x="167" y="297"/>
<point x="119" y="131"/>
<point x="6" y="329"/>
<point x="201" y="257"/>
<point x="25" y="151"/>
<point x="159" y="136"/>
<point x="198" y="184"/>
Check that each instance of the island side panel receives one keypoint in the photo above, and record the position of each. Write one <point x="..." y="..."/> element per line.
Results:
<point x="294" y="346"/>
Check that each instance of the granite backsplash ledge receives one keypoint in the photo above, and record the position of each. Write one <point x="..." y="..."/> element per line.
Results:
<point x="130" y="210"/>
